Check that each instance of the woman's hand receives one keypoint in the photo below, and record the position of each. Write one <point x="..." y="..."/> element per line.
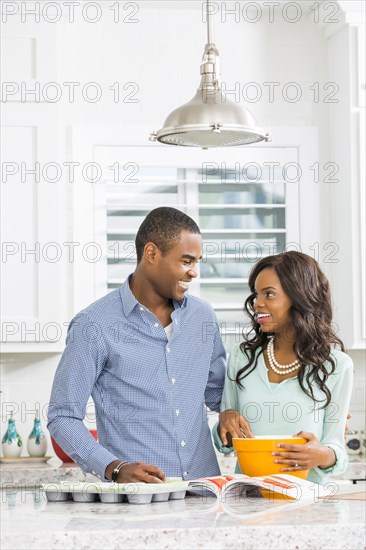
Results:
<point x="304" y="457"/>
<point x="232" y="424"/>
<point x="349" y="416"/>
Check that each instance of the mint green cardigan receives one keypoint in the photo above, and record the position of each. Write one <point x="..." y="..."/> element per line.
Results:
<point x="284" y="409"/>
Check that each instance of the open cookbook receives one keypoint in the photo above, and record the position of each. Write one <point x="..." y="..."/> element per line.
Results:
<point x="276" y="486"/>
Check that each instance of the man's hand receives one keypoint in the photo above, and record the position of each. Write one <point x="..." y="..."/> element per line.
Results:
<point x="134" y="472"/>
<point x="232" y="424"/>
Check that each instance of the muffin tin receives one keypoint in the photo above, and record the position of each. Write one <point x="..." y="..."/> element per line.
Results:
<point x="108" y="493"/>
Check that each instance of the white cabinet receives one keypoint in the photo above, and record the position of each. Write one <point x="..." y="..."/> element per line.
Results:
<point x="33" y="255"/>
<point x="347" y="197"/>
<point x="33" y="267"/>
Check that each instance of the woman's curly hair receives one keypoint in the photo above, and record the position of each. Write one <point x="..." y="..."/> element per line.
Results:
<point x="307" y="287"/>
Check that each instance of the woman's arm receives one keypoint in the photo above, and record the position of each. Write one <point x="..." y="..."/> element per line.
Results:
<point x="335" y="417"/>
<point x="328" y="455"/>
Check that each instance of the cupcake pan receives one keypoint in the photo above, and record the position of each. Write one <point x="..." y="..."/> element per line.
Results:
<point x="177" y="495"/>
<point x="57" y="496"/>
<point x="161" y="497"/>
<point x="83" y="497"/>
<point x="110" y="498"/>
<point x="140" y="498"/>
<point x="133" y="493"/>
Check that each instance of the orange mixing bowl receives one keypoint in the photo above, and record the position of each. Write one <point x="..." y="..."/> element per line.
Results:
<point x="255" y="458"/>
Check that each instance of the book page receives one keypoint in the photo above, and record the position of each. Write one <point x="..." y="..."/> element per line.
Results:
<point x="277" y="486"/>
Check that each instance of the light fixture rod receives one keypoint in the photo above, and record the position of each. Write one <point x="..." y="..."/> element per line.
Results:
<point x="209" y="119"/>
<point x="209" y="23"/>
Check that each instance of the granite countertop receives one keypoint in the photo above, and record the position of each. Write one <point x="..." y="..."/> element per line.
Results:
<point x="31" y="475"/>
<point x="29" y="522"/>
<point x="356" y="469"/>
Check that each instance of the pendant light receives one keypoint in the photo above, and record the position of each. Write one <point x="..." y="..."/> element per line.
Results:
<point x="210" y="119"/>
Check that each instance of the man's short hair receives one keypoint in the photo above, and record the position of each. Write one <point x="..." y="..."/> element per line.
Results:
<point x="163" y="226"/>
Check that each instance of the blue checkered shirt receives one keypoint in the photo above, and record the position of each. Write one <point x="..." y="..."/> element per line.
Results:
<point x="150" y="394"/>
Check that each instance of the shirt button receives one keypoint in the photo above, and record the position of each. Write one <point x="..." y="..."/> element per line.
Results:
<point x="183" y="443"/>
<point x="177" y="412"/>
<point x="185" y="473"/>
<point x="168" y="350"/>
<point x="94" y="474"/>
<point x="173" y="380"/>
<point x="156" y="325"/>
<point x="141" y="309"/>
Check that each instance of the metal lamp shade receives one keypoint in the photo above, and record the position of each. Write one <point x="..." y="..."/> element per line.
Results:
<point x="210" y="120"/>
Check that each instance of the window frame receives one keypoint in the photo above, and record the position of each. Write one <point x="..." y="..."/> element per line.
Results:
<point x="294" y="144"/>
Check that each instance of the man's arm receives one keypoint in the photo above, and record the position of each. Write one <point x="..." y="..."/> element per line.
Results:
<point x="215" y="383"/>
<point x="78" y="370"/>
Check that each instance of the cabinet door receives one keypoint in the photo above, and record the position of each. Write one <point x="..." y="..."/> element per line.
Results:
<point x="348" y="195"/>
<point x="32" y="251"/>
<point x="32" y="206"/>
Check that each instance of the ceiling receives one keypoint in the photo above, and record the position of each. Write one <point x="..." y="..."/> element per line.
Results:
<point x="345" y="5"/>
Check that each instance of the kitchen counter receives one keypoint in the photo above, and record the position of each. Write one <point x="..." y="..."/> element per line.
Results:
<point x="29" y="522"/>
<point x="31" y="475"/>
<point x="356" y="470"/>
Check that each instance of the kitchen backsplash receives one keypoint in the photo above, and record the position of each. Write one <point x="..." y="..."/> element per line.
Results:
<point x="26" y="381"/>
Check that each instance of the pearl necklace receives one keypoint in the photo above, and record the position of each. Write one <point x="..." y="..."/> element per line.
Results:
<point x="273" y="363"/>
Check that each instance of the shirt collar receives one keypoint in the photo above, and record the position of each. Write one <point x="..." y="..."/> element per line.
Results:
<point x="129" y="301"/>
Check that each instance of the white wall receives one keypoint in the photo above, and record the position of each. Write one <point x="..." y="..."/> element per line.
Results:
<point x="161" y="54"/>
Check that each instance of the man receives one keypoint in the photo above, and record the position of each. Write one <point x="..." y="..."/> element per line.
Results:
<point x="151" y="357"/>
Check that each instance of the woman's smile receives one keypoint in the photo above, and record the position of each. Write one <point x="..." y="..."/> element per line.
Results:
<point x="263" y="318"/>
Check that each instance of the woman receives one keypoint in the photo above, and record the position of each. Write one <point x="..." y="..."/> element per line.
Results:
<point x="286" y="377"/>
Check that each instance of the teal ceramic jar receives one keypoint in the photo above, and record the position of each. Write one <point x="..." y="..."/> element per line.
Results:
<point x="12" y="442"/>
<point x="37" y="442"/>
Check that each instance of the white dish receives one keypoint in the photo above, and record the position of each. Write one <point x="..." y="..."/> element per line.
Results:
<point x="24" y="459"/>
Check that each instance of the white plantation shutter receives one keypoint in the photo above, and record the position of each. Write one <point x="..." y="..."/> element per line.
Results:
<point x="243" y="216"/>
